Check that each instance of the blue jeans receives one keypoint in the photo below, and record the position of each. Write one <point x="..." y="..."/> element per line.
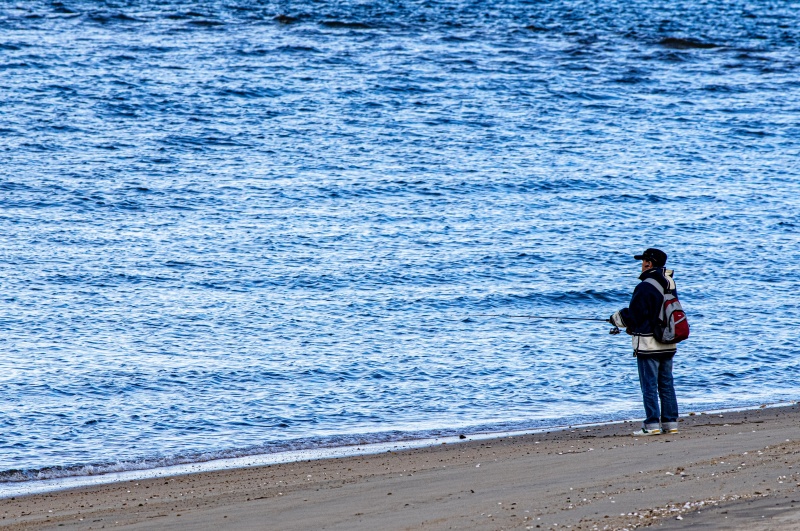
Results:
<point x="655" y="378"/>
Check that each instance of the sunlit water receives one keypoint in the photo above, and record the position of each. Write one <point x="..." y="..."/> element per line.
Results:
<point x="252" y="227"/>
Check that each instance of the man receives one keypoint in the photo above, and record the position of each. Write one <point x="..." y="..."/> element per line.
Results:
<point x="653" y="358"/>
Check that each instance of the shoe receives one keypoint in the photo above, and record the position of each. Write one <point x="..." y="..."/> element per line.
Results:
<point x="644" y="432"/>
<point x="669" y="427"/>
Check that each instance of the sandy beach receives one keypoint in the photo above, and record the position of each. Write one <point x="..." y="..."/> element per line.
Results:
<point x="730" y="470"/>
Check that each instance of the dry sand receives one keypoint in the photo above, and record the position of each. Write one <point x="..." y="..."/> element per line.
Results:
<point x="734" y="470"/>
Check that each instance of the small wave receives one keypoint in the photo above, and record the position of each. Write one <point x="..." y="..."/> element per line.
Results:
<point x="109" y="19"/>
<point x="13" y="186"/>
<point x="200" y="142"/>
<point x="10" y="66"/>
<point x="186" y="15"/>
<point x="676" y="56"/>
<point x="726" y="89"/>
<point x="63" y="128"/>
<point x="751" y="133"/>
<point x="296" y="49"/>
<point x="631" y="80"/>
<point x="287" y="19"/>
<point x="534" y="27"/>
<point x="338" y="24"/>
<point x="258" y="52"/>
<point x="38" y="146"/>
<point x="206" y="23"/>
<point x="250" y="93"/>
<point x="60" y="8"/>
<point x="180" y="264"/>
<point x="686" y="44"/>
<point x="583" y="96"/>
<point x="588" y="295"/>
<point x="747" y="54"/>
<point x="122" y="58"/>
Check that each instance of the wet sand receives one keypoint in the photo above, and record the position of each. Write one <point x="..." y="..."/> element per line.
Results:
<point x="733" y="470"/>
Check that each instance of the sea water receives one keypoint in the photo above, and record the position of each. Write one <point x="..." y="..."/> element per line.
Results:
<point x="249" y="227"/>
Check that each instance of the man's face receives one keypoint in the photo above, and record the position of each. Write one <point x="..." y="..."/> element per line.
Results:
<point x="646" y="264"/>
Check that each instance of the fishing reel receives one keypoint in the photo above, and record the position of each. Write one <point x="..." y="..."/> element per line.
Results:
<point x="614" y="331"/>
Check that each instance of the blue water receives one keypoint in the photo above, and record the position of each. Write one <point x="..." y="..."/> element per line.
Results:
<point x="242" y="227"/>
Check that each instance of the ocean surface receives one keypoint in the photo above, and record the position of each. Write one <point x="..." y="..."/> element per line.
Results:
<point x="240" y="227"/>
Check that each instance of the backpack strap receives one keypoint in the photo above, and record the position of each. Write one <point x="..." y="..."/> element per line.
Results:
<point x="654" y="282"/>
<point x="660" y="317"/>
<point x="667" y="275"/>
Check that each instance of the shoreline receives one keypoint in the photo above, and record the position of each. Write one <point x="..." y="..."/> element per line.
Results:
<point x="739" y="464"/>
<point x="41" y="486"/>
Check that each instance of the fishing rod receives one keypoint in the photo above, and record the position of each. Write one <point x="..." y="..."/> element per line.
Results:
<point x="614" y="331"/>
<point x="540" y="317"/>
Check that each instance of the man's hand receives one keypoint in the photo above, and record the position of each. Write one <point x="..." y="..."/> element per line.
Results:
<point x="616" y="320"/>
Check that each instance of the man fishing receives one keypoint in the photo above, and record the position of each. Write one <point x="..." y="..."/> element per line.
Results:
<point x="653" y="358"/>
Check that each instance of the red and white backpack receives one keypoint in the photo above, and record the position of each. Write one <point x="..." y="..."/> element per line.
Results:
<point x="672" y="326"/>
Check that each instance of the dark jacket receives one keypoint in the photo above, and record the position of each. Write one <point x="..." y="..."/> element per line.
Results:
<point x="641" y="315"/>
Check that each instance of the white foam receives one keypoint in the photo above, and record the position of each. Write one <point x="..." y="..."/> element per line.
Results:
<point x="76" y="481"/>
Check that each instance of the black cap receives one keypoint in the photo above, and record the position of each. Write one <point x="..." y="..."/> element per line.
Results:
<point x="657" y="256"/>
